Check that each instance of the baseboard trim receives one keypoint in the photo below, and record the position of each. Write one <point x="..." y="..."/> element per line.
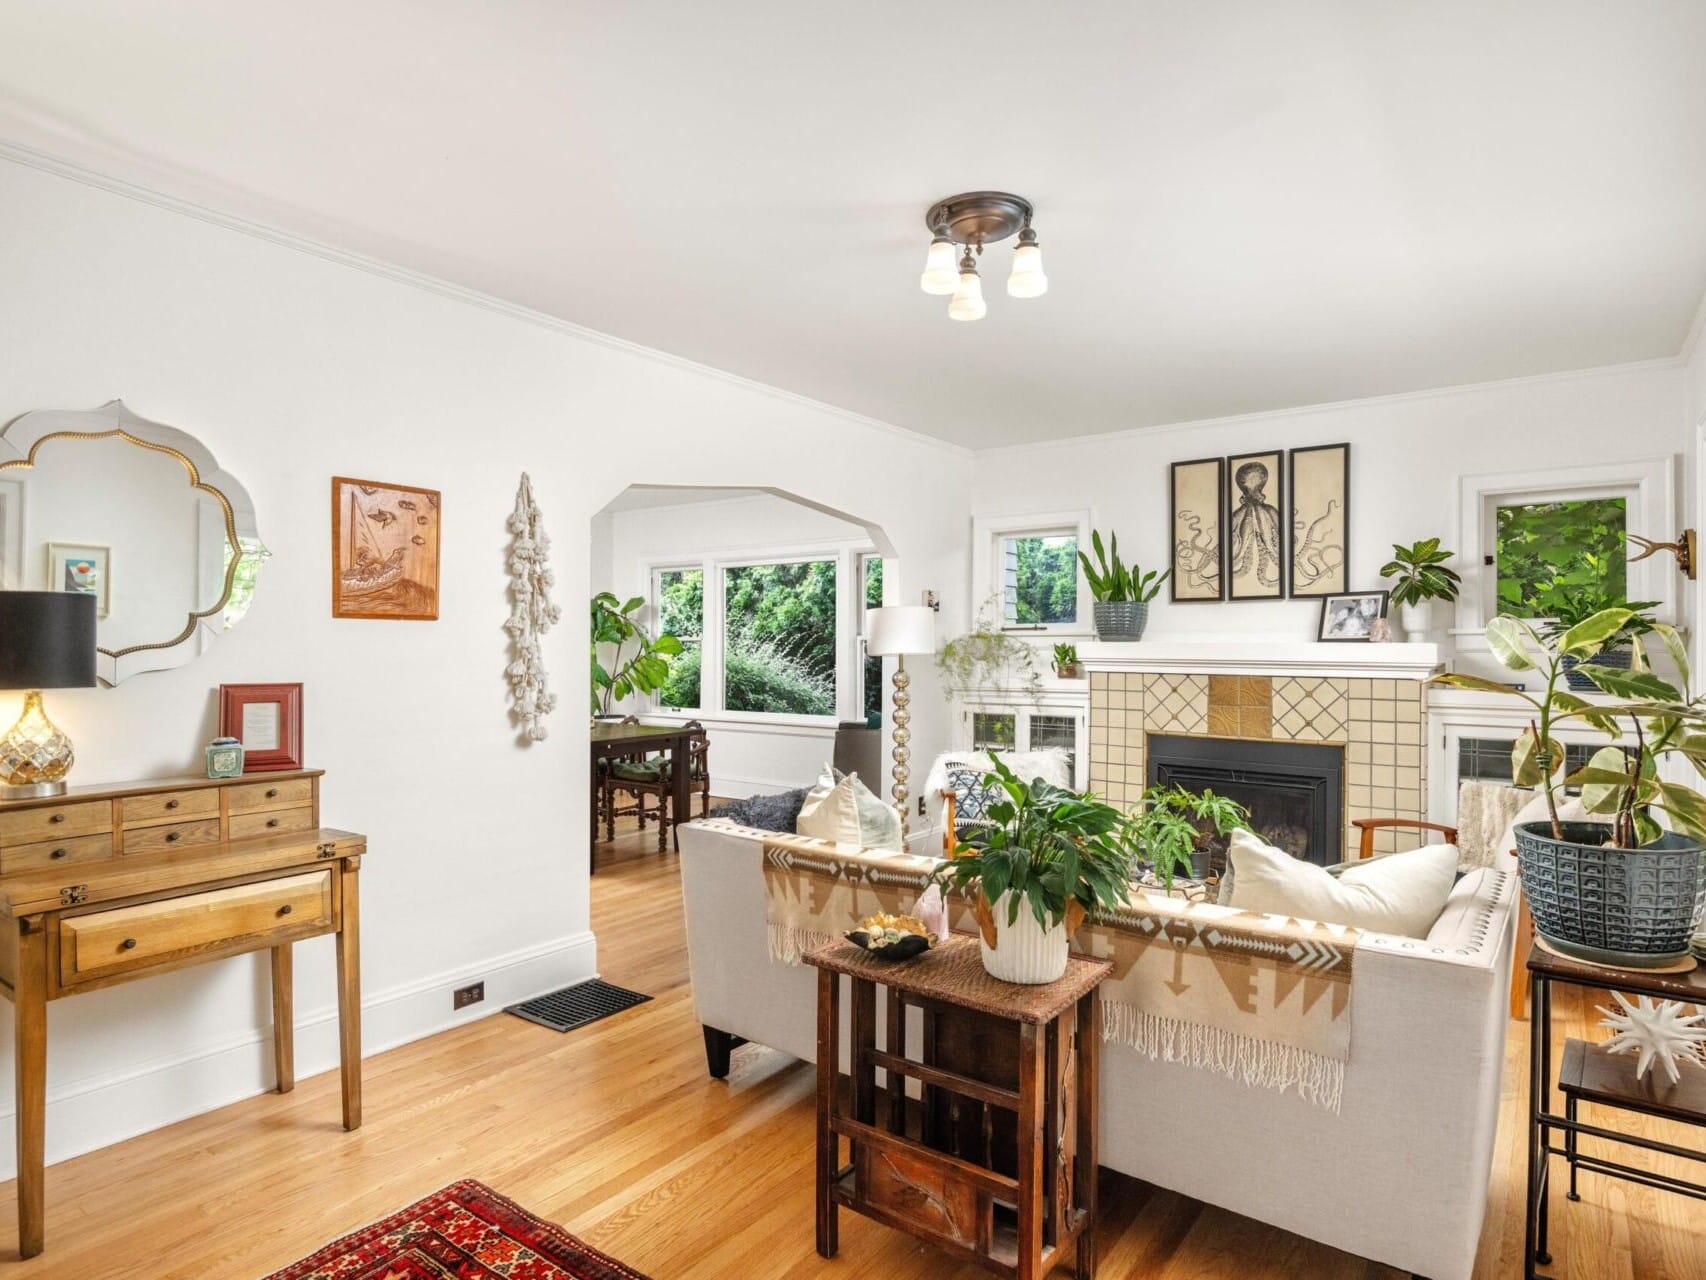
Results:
<point x="99" y="1110"/>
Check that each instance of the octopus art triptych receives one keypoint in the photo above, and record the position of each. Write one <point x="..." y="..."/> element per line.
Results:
<point x="1261" y="526"/>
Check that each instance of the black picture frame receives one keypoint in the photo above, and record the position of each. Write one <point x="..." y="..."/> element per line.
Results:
<point x="1219" y="465"/>
<point x="1341" y="584"/>
<point x="1327" y="602"/>
<point x="1273" y="462"/>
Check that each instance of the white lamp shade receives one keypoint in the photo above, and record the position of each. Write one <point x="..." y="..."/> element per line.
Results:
<point x="941" y="270"/>
<point x="900" y="628"/>
<point x="1027" y="279"/>
<point x="968" y="301"/>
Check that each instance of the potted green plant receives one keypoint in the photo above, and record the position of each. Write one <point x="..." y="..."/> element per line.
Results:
<point x="1048" y="856"/>
<point x="1122" y="594"/>
<point x="1174" y="829"/>
<point x="1618" y="651"/>
<point x="987" y="658"/>
<point x="643" y="671"/>
<point x="1620" y="891"/>
<point x="1066" y="662"/>
<point x="1419" y="577"/>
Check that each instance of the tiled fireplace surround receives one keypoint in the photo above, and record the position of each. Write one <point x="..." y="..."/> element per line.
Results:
<point x="1380" y="723"/>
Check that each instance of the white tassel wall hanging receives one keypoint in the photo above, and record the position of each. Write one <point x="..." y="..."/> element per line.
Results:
<point x="531" y="615"/>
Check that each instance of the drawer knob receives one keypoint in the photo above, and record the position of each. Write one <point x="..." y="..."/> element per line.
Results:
<point x="58" y="817"/>
<point x="172" y="837"/>
<point x="57" y="853"/>
<point x="171" y="804"/>
<point x="284" y="910"/>
<point x="272" y="793"/>
<point x="129" y="944"/>
<point x="272" y="822"/>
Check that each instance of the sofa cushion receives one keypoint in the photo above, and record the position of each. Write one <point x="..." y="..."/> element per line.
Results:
<point x="842" y="808"/>
<point x="1401" y="894"/>
<point x="777" y="812"/>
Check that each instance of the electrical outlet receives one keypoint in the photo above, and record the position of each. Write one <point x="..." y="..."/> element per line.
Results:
<point x="462" y="997"/>
<point x="921" y="812"/>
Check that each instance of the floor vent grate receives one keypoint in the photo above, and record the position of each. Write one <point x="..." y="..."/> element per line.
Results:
<point x="577" y="1005"/>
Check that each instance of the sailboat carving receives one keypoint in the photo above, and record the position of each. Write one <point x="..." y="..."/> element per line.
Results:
<point x="368" y="571"/>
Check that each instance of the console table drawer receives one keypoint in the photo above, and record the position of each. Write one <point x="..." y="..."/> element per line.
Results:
<point x="273" y="822"/>
<point x="50" y="822"/>
<point x="56" y="853"/>
<point x="108" y="942"/>
<point x="169" y="806"/>
<point x="179" y="835"/>
<point x="252" y="796"/>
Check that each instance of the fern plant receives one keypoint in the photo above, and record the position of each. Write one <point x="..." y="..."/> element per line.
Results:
<point x="1112" y="582"/>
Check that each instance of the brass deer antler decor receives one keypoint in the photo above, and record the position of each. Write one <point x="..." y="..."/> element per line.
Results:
<point x="1683" y="548"/>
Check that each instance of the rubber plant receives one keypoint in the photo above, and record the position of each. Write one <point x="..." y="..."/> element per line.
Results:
<point x="1112" y="582"/>
<point x="1059" y="852"/>
<point x="1418" y="573"/>
<point x="644" y="671"/>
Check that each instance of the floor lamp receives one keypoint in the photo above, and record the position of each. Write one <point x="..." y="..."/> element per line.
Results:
<point x="899" y="630"/>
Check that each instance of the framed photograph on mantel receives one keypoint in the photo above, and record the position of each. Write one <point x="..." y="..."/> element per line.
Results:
<point x="1199" y="523"/>
<point x="1320" y="520"/>
<point x="1255" y="540"/>
<point x="1351" y="615"/>
<point x="267" y="720"/>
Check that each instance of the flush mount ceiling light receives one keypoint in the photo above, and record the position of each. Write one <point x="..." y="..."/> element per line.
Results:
<point x="960" y="226"/>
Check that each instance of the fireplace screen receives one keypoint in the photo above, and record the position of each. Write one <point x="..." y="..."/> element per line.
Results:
<point x="1294" y="791"/>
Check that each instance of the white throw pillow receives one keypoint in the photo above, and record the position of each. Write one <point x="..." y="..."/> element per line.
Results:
<point x="843" y="809"/>
<point x="1403" y="893"/>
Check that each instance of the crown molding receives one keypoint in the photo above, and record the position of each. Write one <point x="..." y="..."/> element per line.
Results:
<point x="31" y="158"/>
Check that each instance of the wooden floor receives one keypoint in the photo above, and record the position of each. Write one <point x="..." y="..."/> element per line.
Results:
<point x="616" y="1132"/>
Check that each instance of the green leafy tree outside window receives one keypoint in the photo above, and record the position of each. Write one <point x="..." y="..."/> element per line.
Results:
<point x="1552" y="555"/>
<point x="681" y="613"/>
<point x="1044" y="586"/>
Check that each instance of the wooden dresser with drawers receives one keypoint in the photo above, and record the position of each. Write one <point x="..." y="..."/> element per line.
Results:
<point x="107" y="884"/>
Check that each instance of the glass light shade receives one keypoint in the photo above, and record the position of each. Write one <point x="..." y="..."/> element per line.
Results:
<point x="1027" y="279"/>
<point x="968" y="301"/>
<point x="941" y="275"/>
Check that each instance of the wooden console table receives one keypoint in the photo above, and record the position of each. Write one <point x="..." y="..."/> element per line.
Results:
<point x="1589" y="1074"/>
<point x="996" y="1161"/>
<point x="108" y="884"/>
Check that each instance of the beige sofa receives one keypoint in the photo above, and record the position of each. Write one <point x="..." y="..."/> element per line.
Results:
<point x="1399" y="1175"/>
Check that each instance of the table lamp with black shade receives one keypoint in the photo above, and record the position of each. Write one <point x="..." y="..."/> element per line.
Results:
<point x="47" y="641"/>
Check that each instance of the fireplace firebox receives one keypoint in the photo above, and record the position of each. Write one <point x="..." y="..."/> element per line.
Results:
<point x="1294" y="791"/>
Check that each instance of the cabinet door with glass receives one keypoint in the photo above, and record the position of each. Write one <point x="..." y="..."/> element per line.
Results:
<point x="1034" y="728"/>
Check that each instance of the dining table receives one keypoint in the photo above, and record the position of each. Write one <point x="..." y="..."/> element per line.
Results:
<point x="613" y="739"/>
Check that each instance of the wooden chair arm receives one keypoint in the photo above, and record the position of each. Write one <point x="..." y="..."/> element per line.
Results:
<point x="1368" y="826"/>
<point x="949" y="840"/>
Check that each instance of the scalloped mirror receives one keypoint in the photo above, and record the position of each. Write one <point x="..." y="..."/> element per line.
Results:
<point x="136" y="513"/>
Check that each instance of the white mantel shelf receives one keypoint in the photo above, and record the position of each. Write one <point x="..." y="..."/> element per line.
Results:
<point x="1257" y="657"/>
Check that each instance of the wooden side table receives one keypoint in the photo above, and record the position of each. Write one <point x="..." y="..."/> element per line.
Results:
<point x="1589" y="1074"/>
<point x="995" y="1160"/>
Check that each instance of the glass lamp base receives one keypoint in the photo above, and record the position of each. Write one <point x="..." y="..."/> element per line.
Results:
<point x="35" y="755"/>
<point x="32" y="791"/>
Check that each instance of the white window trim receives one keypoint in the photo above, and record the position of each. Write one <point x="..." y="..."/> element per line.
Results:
<point x="986" y="566"/>
<point x="849" y="650"/>
<point x="1648" y="485"/>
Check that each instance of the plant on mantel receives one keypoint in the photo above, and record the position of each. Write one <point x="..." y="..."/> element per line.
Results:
<point x="1066" y="661"/>
<point x="1419" y="577"/>
<point x="1121" y="593"/>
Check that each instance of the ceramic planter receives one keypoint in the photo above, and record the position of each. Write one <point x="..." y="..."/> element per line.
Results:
<point x="1581" y="682"/>
<point x="1416" y="620"/>
<point x="1024" y="951"/>
<point x="1629" y="907"/>
<point x="1121" y="619"/>
<point x="1068" y="670"/>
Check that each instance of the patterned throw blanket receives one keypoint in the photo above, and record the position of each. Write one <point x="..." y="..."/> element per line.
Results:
<point x="1262" y="999"/>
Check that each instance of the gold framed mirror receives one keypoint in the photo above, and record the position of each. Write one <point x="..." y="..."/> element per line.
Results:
<point x="136" y="513"/>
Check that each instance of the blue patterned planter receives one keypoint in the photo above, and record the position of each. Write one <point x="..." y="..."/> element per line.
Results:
<point x="1121" y="619"/>
<point x="1581" y="682"/>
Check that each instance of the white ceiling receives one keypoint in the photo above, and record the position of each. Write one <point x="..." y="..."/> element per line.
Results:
<point x="1243" y="206"/>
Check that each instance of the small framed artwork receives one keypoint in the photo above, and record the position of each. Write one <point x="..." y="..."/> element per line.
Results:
<point x="267" y="720"/>
<point x="85" y="569"/>
<point x="1198" y="509"/>
<point x="1255" y="537"/>
<point x="384" y="550"/>
<point x="1320" y="520"/>
<point x="1351" y="615"/>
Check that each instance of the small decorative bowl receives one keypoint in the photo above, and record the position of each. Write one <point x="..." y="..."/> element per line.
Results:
<point x="893" y="937"/>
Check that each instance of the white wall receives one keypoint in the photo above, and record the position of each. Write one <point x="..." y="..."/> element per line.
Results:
<point x="1407" y="455"/>
<point x="292" y="367"/>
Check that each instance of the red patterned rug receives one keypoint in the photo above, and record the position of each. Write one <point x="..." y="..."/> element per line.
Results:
<point x="465" y="1232"/>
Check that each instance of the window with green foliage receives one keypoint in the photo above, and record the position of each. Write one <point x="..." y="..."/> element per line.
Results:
<point x="872" y="569"/>
<point x="1039" y="579"/>
<point x="1548" y="554"/>
<point x="253" y="556"/>
<point x="779" y="638"/>
<point x="680" y="596"/>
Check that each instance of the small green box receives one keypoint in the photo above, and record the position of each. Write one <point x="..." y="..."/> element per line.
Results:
<point x="225" y="758"/>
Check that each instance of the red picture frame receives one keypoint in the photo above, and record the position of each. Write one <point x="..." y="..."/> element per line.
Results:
<point x="271" y="715"/>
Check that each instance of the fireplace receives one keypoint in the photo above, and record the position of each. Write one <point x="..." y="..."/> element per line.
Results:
<point x="1294" y="791"/>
